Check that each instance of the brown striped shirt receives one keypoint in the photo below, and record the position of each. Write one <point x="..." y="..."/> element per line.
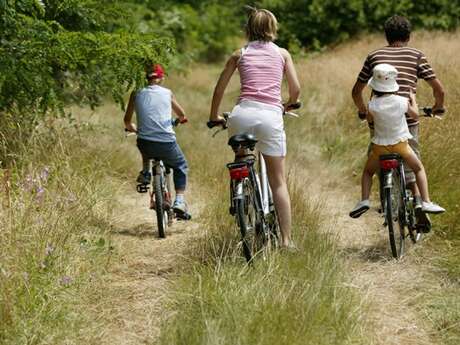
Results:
<point x="410" y="63"/>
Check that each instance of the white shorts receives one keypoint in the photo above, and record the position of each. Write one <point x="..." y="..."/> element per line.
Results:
<point x="264" y="121"/>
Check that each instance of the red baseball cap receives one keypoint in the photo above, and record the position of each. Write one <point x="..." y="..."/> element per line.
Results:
<point x="155" y="71"/>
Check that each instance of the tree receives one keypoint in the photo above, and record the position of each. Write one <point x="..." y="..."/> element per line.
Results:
<point x="54" y="52"/>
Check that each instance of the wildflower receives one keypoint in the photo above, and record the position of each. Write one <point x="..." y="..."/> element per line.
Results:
<point x="28" y="184"/>
<point x="40" y="194"/>
<point x="65" y="280"/>
<point x="49" y="249"/>
<point x="45" y="174"/>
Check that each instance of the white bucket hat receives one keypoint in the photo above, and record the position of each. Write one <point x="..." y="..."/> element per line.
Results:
<point x="384" y="78"/>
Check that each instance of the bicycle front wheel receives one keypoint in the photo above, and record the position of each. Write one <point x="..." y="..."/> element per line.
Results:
<point x="396" y="232"/>
<point x="162" y="213"/>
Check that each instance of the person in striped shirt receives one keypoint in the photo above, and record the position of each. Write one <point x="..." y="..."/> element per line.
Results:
<point x="412" y="65"/>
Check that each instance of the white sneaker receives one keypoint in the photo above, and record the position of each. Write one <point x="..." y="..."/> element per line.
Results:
<point x="360" y="208"/>
<point x="431" y="207"/>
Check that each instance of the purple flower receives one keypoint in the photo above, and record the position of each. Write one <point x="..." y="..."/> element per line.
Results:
<point x="40" y="194"/>
<point x="65" y="280"/>
<point x="49" y="249"/>
<point x="45" y="174"/>
<point x="28" y="183"/>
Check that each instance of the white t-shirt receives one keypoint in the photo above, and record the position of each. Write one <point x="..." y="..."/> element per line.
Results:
<point x="390" y="125"/>
<point x="153" y="113"/>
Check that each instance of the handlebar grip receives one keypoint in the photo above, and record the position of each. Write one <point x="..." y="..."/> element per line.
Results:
<point x="212" y="124"/>
<point x="296" y="105"/>
<point x="427" y="111"/>
<point x="362" y="116"/>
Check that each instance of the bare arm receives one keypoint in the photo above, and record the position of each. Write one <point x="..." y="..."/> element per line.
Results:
<point x="291" y="77"/>
<point x="438" y="93"/>
<point x="177" y="107"/>
<point x="357" y="94"/>
<point x="221" y="85"/>
<point x="129" y="125"/>
<point x="412" y="109"/>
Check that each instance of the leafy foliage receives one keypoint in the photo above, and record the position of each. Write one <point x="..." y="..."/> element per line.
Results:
<point x="314" y="23"/>
<point x="57" y="52"/>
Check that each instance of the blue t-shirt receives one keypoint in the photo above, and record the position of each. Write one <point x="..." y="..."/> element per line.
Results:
<point x="153" y="113"/>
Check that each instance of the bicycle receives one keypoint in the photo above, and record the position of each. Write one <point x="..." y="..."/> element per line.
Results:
<point x="398" y="202"/>
<point x="251" y="200"/>
<point x="160" y="192"/>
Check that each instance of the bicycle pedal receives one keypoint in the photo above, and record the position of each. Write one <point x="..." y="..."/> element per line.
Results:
<point x="142" y="188"/>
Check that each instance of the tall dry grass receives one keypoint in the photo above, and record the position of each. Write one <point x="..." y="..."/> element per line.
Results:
<point x="300" y="298"/>
<point x="221" y="302"/>
<point x="56" y="209"/>
<point x="330" y="122"/>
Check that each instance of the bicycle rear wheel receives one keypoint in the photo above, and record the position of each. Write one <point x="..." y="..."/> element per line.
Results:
<point x="394" y="217"/>
<point x="246" y="213"/>
<point x="162" y="213"/>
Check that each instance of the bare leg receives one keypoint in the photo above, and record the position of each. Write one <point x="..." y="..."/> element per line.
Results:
<point x="370" y="168"/>
<point x="277" y="180"/>
<point x="422" y="182"/>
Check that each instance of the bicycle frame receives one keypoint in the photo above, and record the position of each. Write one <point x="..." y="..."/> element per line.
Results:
<point x="264" y="187"/>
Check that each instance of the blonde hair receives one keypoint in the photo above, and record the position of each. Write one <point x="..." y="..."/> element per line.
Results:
<point x="261" y="25"/>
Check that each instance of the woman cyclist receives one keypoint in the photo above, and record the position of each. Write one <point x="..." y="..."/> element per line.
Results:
<point x="259" y="110"/>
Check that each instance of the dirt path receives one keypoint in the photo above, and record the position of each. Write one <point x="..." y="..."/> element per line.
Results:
<point x="390" y="288"/>
<point x="144" y="267"/>
<point x="139" y="278"/>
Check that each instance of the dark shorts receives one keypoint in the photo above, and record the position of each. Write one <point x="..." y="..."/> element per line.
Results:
<point x="170" y="154"/>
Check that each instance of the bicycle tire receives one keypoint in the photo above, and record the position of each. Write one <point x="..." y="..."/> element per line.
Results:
<point x="246" y="213"/>
<point x="393" y="219"/>
<point x="162" y="216"/>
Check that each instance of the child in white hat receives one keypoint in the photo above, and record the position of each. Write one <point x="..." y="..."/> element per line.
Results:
<point x="387" y="112"/>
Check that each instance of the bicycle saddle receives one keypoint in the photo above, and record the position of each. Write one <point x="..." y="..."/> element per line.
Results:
<point x="244" y="140"/>
<point x="390" y="156"/>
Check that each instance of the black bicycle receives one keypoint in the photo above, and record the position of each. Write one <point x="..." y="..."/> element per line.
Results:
<point x="161" y="191"/>
<point x="251" y="200"/>
<point x="398" y="204"/>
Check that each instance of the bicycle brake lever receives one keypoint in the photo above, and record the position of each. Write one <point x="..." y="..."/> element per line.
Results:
<point x="218" y="131"/>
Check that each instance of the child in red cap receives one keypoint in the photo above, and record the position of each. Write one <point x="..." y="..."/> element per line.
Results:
<point x="155" y="135"/>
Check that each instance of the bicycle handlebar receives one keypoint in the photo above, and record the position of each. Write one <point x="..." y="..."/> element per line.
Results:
<point x="428" y="112"/>
<point x="212" y="124"/>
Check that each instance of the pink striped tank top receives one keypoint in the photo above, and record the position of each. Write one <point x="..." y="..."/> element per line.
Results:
<point x="261" y="68"/>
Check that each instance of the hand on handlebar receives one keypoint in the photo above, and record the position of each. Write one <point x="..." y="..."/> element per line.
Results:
<point x="433" y="112"/>
<point x="292" y="106"/>
<point x="130" y="127"/>
<point x="179" y="121"/>
<point x="217" y="121"/>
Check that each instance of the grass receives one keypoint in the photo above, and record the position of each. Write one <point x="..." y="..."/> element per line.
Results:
<point x="299" y="299"/>
<point x="215" y="303"/>
<point x="331" y="116"/>
<point x="54" y="221"/>
<point x="58" y="200"/>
